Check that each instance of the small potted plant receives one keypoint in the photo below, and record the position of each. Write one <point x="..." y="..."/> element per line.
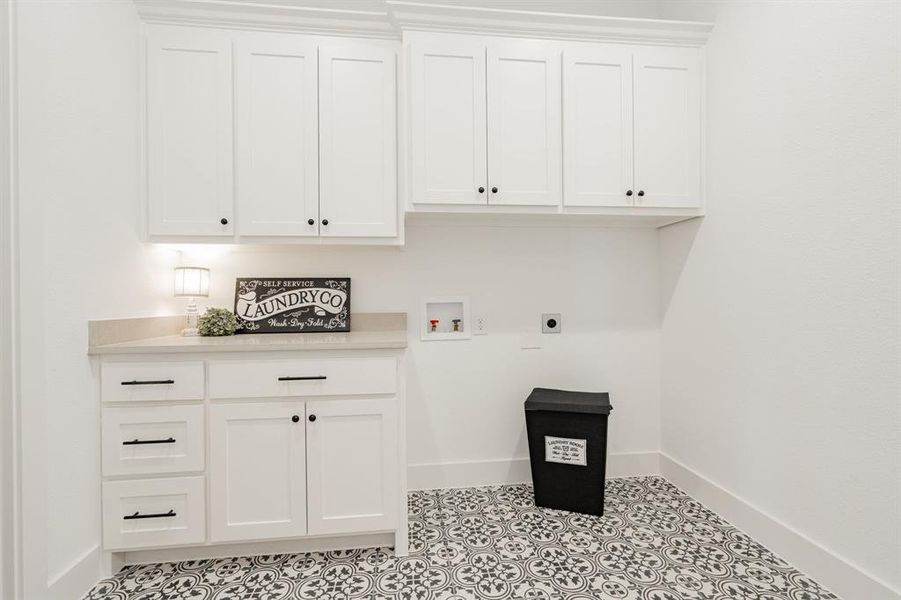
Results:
<point x="217" y="322"/>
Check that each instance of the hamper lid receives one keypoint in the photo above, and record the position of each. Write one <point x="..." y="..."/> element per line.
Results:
<point x="569" y="402"/>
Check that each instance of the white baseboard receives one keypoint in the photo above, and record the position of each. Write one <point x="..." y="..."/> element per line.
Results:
<point x="505" y="471"/>
<point x="75" y="580"/>
<point x="828" y="568"/>
<point x="291" y="546"/>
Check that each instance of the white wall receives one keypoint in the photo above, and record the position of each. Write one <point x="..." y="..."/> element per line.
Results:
<point x="465" y="397"/>
<point x="780" y="322"/>
<point x="80" y="259"/>
<point x="8" y="415"/>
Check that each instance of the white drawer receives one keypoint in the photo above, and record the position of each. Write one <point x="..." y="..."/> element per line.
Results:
<point x="129" y="381"/>
<point x="153" y="512"/>
<point x="302" y="377"/>
<point x="145" y="440"/>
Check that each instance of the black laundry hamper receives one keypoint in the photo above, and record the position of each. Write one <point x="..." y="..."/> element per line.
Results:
<point x="568" y="448"/>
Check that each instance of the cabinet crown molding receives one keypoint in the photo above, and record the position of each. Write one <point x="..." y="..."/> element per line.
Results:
<point x="274" y="16"/>
<point x="389" y="19"/>
<point x="421" y="16"/>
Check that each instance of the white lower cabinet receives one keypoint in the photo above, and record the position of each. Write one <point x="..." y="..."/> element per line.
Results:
<point x="257" y="471"/>
<point x="253" y="448"/>
<point x="266" y="481"/>
<point x="352" y="479"/>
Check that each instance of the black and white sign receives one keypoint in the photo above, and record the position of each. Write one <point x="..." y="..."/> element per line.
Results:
<point x="303" y="304"/>
<point x="566" y="451"/>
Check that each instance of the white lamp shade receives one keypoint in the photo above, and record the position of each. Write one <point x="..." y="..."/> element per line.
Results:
<point x="192" y="281"/>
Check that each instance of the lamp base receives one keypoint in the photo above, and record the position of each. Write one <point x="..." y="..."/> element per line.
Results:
<point x="191" y="320"/>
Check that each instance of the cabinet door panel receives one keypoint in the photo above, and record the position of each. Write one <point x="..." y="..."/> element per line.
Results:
<point x="189" y="132"/>
<point x="448" y="123"/>
<point x="352" y="465"/>
<point x="597" y="118"/>
<point x="667" y="127"/>
<point x="277" y="135"/>
<point x="257" y="471"/>
<point x="524" y="124"/>
<point x="358" y="140"/>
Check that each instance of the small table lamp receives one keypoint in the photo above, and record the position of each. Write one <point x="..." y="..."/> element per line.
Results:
<point x="192" y="282"/>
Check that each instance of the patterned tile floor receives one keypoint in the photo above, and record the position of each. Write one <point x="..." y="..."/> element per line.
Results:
<point x="653" y="543"/>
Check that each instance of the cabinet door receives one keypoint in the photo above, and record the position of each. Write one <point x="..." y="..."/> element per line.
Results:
<point x="358" y="140"/>
<point x="352" y="465"/>
<point x="277" y="135"/>
<point x="597" y="121"/>
<point x="189" y="132"/>
<point x="524" y="124"/>
<point x="667" y="127"/>
<point x="257" y="471"/>
<point x="448" y="122"/>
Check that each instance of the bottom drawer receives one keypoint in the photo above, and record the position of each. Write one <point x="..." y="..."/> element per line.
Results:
<point x="153" y="512"/>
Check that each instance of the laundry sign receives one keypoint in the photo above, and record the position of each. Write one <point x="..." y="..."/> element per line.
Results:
<point x="565" y="451"/>
<point x="292" y="305"/>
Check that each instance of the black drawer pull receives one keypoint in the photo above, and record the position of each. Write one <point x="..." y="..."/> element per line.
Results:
<point x="140" y="442"/>
<point x="157" y="382"/>
<point x="138" y="515"/>
<point x="308" y="378"/>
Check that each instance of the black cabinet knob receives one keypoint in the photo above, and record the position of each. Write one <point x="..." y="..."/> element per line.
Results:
<point x="629" y="193"/>
<point x="494" y="190"/>
<point x="312" y="418"/>
<point x="641" y="192"/>
<point x="481" y="190"/>
<point x="325" y="221"/>
<point x="311" y="222"/>
<point x="295" y="419"/>
<point x="224" y="221"/>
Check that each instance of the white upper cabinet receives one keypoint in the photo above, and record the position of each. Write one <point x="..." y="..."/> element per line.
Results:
<point x="257" y="471"/>
<point x="485" y="122"/>
<point x="277" y="135"/>
<point x="189" y="131"/>
<point x="524" y="123"/>
<point x="352" y="468"/>
<point x="357" y="140"/>
<point x="312" y="136"/>
<point x="447" y="111"/>
<point x="667" y="127"/>
<point x="263" y="134"/>
<point x="597" y="121"/>
<point x="572" y="126"/>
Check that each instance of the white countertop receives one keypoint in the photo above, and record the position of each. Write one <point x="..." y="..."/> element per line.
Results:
<point x="390" y="334"/>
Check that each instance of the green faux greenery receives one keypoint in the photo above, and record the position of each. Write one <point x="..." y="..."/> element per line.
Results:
<point x="217" y="321"/>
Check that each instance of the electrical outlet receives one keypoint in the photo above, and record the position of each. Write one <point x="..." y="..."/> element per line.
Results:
<point x="551" y="323"/>
<point x="479" y="326"/>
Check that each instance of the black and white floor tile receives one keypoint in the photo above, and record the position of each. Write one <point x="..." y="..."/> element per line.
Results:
<point x="653" y="543"/>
